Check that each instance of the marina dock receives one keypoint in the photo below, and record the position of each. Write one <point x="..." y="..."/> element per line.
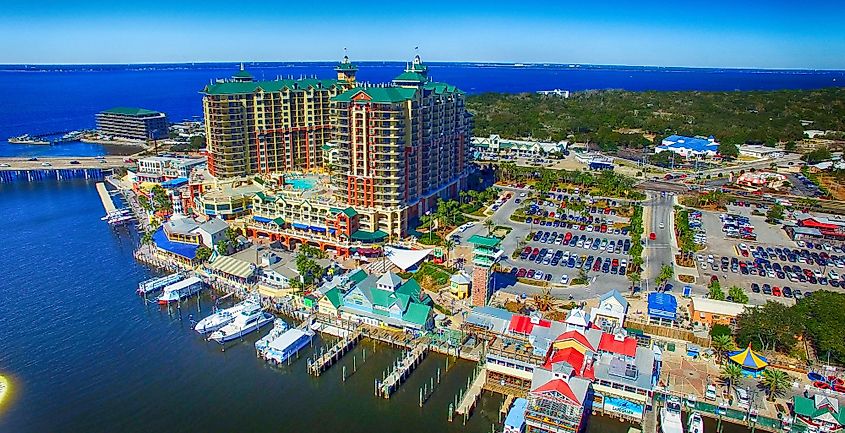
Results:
<point x="108" y="203"/>
<point x="158" y="283"/>
<point x="401" y="370"/>
<point x="469" y="399"/>
<point x="323" y="362"/>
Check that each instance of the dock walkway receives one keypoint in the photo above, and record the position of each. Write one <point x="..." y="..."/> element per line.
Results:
<point x="322" y="362"/>
<point x="108" y="203"/>
<point x="401" y="370"/>
<point x="471" y="397"/>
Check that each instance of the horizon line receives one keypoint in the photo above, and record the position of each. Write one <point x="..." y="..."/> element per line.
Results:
<point x="492" y="63"/>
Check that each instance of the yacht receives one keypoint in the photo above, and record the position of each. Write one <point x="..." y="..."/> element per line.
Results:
<point x="695" y="424"/>
<point x="279" y="328"/>
<point x="245" y="322"/>
<point x="180" y="290"/>
<point x="670" y="416"/>
<point x="222" y="317"/>
<point x="287" y="345"/>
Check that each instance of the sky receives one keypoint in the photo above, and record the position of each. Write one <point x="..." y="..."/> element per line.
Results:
<point x="715" y="33"/>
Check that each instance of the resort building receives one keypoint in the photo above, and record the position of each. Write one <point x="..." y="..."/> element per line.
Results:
<point x="689" y="147"/>
<point x="162" y="168"/>
<point x="269" y="126"/>
<point x="712" y="311"/>
<point x="662" y="308"/>
<point x="132" y="123"/>
<point x="556" y="402"/>
<point x="387" y="301"/>
<point x="181" y="236"/>
<point x="496" y="146"/>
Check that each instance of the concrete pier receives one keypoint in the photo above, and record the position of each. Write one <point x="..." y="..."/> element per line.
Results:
<point x="323" y="362"/>
<point x="108" y="203"/>
<point x="402" y="369"/>
<point x="473" y="393"/>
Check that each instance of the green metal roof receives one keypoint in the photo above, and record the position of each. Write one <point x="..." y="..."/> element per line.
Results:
<point x="379" y="94"/>
<point x="358" y="276"/>
<point x="333" y="295"/>
<point x="484" y="241"/>
<point x="417" y="313"/>
<point x="237" y="88"/>
<point x="279" y="221"/>
<point x="265" y="197"/>
<point x="326" y="147"/>
<point x="131" y="111"/>
<point x="350" y="212"/>
<point x="242" y="74"/>
<point x="346" y="67"/>
<point x="440" y="88"/>
<point x="411" y="76"/>
<point x="807" y="407"/>
<point x="362" y="235"/>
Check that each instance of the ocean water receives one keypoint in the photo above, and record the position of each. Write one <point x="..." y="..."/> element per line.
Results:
<point x="45" y="99"/>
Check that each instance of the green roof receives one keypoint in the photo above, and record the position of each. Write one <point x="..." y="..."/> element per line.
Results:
<point x="440" y="88"/>
<point x="379" y="94"/>
<point x="279" y="221"/>
<point x="411" y="76"/>
<point x="242" y="74"/>
<point x="362" y="235"/>
<point x="410" y="288"/>
<point x="333" y="295"/>
<point x="265" y="197"/>
<point x="807" y="407"/>
<point x="484" y="241"/>
<point x="326" y="147"/>
<point x="346" y="67"/>
<point x="358" y="276"/>
<point x="236" y="88"/>
<point x="350" y="212"/>
<point x="131" y="111"/>
<point x="417" y="313"/>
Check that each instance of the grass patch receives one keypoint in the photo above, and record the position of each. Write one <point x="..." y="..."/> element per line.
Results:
<point x="439" y="274"/>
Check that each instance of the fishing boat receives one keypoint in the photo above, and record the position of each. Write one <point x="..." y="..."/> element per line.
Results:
<point x="247" y="321"/>
<point x="180" y="290"/>
<point x="286" y="345"/>
<point x="279" y="328"/>
<point x="670" y="416"/>
<point x="695" y="423"/>
<point x="155" y="284"/>
<point x="222" y="317"/>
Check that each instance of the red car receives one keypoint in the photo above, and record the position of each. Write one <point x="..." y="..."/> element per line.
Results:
<point x="568" y="237"/>
<point x="652" y="236"/>
<point x="776" y="291"/>
<point x="521" y="273"/>
<point x="597" y="265"/>
<point x="604" y="228"/>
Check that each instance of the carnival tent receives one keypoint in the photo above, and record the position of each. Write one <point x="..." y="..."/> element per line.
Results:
<point x="752" y="363"/>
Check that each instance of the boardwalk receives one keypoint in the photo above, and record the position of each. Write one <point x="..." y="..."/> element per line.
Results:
<point x="108" y="204"/>
<point x="471" y="397"/>
<point x="401" y="370"/>
<point x="322" y="362"/>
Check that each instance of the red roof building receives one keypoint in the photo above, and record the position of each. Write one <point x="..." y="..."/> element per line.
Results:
<point x="576" y="336"/>
<point x="570" y="356"/>
<point x="559" y="386"/>
<point x="524" y="324"/>
<point x="611" y="343"/>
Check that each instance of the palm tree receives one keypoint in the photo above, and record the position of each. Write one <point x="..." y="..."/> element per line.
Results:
<point x="775" y="382"/>
<point x="722" y="344"/>
<point x="731" y="373"/>
<point x="448" y="245"/>
<point x="489" y="224"/>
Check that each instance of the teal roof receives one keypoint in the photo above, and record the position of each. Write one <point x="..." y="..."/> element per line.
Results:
<point x="417" y="313"/>
<point x="326" y="147"/>
<point x="484" y="241"/>
<point x="807" y="407"/>
<point x="358" y="276"/>
<point x="279" y="221"/>
<point x="333" y="295"/>
<point x="411" y="76"/>
<point x="362" y="235"/>
<point x="235" y="88"/>
<point x="350" y="212"/>
<point x="242" y="74"/>
<point x="440" y="88"/>
<point x="410" y="288"/>
<point x="131" y="111"/>
<point x="378" y="94"/>
<point x="265" y="197"/>
<point x="346" y="67"/>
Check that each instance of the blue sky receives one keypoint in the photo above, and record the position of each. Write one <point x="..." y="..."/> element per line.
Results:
<point x="716" y="33"/>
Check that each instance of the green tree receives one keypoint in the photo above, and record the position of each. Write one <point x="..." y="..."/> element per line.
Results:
<point x="147" y="238"/>
<point x="738" y="295"/>
<point x="817" y="155"/>
<point x="722" y="344"/>
<point x="728" y="150"/>
<point x="790" y="146"/>
<point x="666" y="272"/>
<point x="489" y="225"/>
<point x="775" y="213"/>
<point x="203" y="253"/>
<point x="776" y="382"/>
<point x="448" y="246"/>
<point x="731" y="374"/>
<point x="222" y="247"/>
<point x="772" y="326"/>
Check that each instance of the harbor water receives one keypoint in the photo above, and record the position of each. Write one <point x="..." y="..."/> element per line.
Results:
<point x="85" y="354"/>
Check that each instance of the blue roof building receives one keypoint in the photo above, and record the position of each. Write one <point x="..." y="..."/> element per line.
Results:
<point x="662" y="307"/>
<point x="515" y="421"/>
<point x="689" y="146"/>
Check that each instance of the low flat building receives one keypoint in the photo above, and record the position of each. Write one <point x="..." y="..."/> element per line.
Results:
<point x="459" y="285"/>
<point x="689" y="146"/>
<point x="712" y="311"/>
<point x="162" y="168"/>
<point x="662" y="308"/>
<point x="611" y="311"/>
<point x="758" y="151"/>
<point x="132" y="123"/>
<point x="496" y="145"/>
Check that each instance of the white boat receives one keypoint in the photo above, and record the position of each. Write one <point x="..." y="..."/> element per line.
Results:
<point x="247" y="321"/>
<point x="286" y="345"/>
<point x="670" y="416"/>
<point x="180" y="290"/>
<point x="279" y="328"/>
<point x="695" y="423"/>
<point x="156" y="284"/>
<point x="222" y="317"/>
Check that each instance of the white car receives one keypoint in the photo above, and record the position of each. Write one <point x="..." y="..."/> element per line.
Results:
<point x="710" y="258"/>
<point x="589" y="228"/>
<point x="801" y="244"/>
<point x="833" y="275"/>
<point x="46" y="164"/>
<point x="564" y="279"/>
<point x="522" y="195"/>
<point x="5" y="165"/>
<point x="817" y="273"/>
<point x="662" y="226"/>
<point x="539" y="275"/>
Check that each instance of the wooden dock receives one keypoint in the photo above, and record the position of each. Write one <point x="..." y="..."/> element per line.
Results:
<point x="108" y="203"/>
<point x="401" y="370"/>
<point x="322" y="362"/>
<point x="469" y="399"/>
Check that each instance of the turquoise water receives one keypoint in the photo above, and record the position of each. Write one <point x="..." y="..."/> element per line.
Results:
<point x="302" y="183"/>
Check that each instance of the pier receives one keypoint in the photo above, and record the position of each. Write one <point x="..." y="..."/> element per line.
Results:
<point x="108" y="203"/>
<point x="323" y="362"/>
<point x="8" y="175"/>
<point x="401" y="370"/>
<point x="470" y="398"/>
<point x="61" y="163"/>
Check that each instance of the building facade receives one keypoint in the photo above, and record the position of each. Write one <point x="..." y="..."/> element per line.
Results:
<point x="132" y="123"/>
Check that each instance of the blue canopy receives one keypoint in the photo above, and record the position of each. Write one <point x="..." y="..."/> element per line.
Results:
<point x="261" y="219"/>
<point x="188" y="251"/>
<point x="300" y="226"/>
<point x="173" y="183"/>
<point x="662" y="306"/>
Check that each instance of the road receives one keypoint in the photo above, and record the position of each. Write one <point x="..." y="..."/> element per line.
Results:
<point x="17" y="163"/>
<point x="660" y="251"/>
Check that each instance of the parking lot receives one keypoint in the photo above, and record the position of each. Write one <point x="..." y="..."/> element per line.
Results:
<point x="772" y="267"/>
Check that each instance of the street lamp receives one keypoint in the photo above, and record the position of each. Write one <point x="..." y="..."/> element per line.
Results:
<point x="428" y="213"/>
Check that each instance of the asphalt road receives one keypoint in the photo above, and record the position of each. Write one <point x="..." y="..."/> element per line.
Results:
<point x="658" y="252"/>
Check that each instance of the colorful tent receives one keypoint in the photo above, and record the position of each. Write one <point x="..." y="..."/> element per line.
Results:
<point x="752" y="363"/>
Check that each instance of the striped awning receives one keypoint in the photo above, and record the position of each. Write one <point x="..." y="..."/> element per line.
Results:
<point x="232" y="266"/>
